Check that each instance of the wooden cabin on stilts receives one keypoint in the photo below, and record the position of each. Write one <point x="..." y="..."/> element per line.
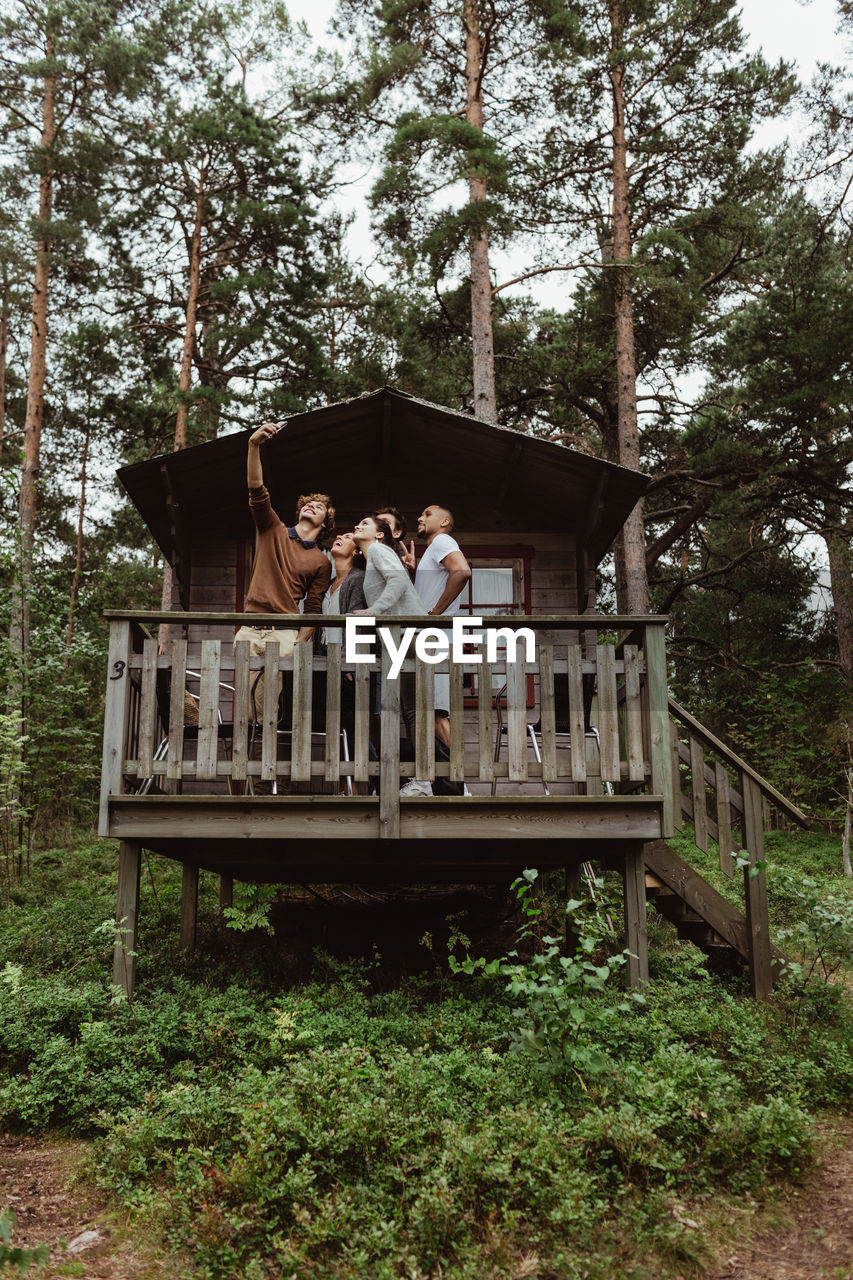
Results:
<point x="571" y="750"/>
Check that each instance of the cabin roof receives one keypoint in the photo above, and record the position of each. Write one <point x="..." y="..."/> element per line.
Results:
<point x="389" y="447"/>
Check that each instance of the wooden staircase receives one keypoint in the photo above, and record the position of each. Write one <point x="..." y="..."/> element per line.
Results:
<point x="699" y="913"/>
<point x="728" y="802"/>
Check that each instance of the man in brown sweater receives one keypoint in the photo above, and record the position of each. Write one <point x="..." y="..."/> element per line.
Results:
<point x="289" y="567"/>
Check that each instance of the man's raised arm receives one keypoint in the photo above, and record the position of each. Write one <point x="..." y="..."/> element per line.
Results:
<point x="254" y="470"/>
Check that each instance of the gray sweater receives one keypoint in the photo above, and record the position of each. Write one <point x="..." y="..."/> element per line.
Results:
<point x="387" y="586"/>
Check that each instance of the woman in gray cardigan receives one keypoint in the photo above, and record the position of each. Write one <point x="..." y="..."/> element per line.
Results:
<point x="345" y="594"/>
<point x="388" y="589"/>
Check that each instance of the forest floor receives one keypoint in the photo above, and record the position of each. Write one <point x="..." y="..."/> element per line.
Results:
<point x="807" y="1235"/>
<point x="43" y="1183"/>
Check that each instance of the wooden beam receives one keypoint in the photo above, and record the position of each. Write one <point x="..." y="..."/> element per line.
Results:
<point x="189" y="905"/>
<point x="226" y="892"/>
<point x="755" y="893"/>
<point x="658" y="719"/>
<point x="127" y="915"/>
<point x="243" y="820"/>
<point x="636" y="932"/>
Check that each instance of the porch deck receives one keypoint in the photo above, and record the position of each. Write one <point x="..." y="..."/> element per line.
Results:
<point x="596" y="768"/>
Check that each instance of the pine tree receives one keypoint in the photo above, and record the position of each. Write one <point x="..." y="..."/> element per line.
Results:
<point x="645" y="141"/>
<point x="451" y="93"/>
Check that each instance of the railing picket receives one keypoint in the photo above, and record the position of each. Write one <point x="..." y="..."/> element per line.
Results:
<point x="697" y="781"/>
<point x="389" y="748"/>
<point x="361" y="747"/>
<point x="658" y="706"/>
<point x="724" y="819"/>
<point x="242" y="684"/>
<point x="576" y="717"/>
<point x="332" y="755"/>
<point x="457" y="724"/>
<point x="300" y="753"/>
<point x="177" y="699"/>
<point x="547" y="713"/>
<point x="755" y="892"/>
<point x="608" y="719"/>
<point x="485" y="699"/>
<point x="269" y="738"/>
<point x="675" y="754"/>
<point x="633" y="715"/>
<point x="147" y="709"/>
<point x="208" y="710"/>
<point x="425" y="722"/>
<point x="516" y="716"/>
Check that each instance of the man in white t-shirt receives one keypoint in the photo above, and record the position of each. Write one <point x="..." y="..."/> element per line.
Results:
<point x="440" y="579"/>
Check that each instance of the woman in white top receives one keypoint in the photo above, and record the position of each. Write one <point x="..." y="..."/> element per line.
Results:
<point x="345" y="593"/>
<point x="388" y="589"/>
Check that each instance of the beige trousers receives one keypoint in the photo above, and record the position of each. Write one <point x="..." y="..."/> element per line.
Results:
<point x="258" y="638"/>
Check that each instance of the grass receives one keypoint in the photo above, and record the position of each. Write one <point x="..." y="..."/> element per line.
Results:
<point x="348" y="1125"/>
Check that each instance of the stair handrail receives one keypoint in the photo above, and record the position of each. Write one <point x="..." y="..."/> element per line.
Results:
<point x="731" y="758"/>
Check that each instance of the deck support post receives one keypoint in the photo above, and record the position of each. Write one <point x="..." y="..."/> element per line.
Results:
<point x="127" y="915"/>
<point x="636" y="932"/>
<point x="755" y="893"/>
<point x="226" y="892"/>
<point x="189" y="905"/>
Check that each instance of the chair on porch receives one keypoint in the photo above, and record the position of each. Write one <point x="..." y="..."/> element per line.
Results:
<point x="562" y="727"/>
<point x="163" y="692"/>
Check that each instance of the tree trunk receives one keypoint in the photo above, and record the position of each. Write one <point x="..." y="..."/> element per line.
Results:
<point x="632" y="589"/>
<point x="482" y="339"/>
<point x="185" y="380"/>
<point x="19" y="635"/>
<point x="4" y="343"/>
<point x="840" y="557"/>
<point x="78" y="559"/>
<point x="848" y="816"/>
<point x="840" y="554"/>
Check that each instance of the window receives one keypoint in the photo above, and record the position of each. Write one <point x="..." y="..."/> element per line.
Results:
<point x="500" y="584"/>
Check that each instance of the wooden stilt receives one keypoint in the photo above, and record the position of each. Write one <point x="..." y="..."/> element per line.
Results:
<point x="755" y="893"/>
<point x="189" y="905"/>
<point x="226" y="892"/>
<point x="127" y="915"/>
<point x="636" y="933"/>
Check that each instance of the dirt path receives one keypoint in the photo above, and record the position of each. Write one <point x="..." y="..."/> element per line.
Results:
<point x="37" y="1180"/>
<point x="814" y="1238"/>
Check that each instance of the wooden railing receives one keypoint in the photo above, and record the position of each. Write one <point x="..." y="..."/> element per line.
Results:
<point x="720" y="793"/>
<point x="600" y="711"/>
<point x="726" y="800"/>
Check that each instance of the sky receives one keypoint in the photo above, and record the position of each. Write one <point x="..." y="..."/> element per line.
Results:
<point x="799" y="31"/>
<point x="804" y="32"/>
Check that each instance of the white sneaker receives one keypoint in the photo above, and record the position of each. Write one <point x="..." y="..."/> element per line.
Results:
<point x="465" y="790"/>
<point x="414" y="787"/>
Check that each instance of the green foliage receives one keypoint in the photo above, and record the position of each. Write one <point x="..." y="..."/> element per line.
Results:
<point x="251" y="908"/>
<point x="560" y="1018"/>
<point x="27" y="1262"/>
<point x="356" y="1132"/>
